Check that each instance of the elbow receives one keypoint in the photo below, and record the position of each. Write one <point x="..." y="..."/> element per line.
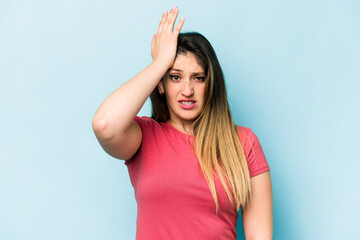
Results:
<point x="101" y="129"/>
<point x="98" y="125"/>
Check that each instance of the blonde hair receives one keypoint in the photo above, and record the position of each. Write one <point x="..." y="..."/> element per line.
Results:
<point x="217" y="145"/>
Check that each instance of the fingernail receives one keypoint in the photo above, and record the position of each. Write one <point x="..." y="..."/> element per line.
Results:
<point x="174" y="7"/>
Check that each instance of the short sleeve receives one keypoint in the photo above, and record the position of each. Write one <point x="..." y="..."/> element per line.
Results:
<point x="146" y="125"/>
<point x="254" y="153"/>
<point x="142" y="121"/>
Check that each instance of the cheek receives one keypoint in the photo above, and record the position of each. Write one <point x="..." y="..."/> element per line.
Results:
<point x="172" y="90"/>
<point x="203" y="92"/>
<point x="170" y="94"/>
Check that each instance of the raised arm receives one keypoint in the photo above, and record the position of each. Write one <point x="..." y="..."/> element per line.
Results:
<point x="113" y="122"/>
<point x="258" y="214"/>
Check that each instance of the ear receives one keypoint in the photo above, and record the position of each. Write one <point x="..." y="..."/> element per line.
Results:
<point x="160" y="88"/>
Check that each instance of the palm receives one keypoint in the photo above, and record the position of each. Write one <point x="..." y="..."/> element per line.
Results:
<point x="163" y="44"/>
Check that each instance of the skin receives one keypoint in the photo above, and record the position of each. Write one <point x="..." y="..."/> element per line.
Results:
<point x="113" y="123"/>
<point x="121" y="137"/>
<point x="185" y="81"/>
<point x="258" y="214"/>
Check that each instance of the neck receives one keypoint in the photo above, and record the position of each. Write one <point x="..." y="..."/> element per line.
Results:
<point x="184" y="126"/>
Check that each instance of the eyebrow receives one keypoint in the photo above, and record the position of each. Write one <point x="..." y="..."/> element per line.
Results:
<point x="178" y="70"/>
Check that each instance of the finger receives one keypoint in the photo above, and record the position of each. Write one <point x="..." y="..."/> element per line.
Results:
<point x="173" y="18"/>
<point x="179" y="26"/>
<point x="170" y="21"/>
<point x="152" y="46"/>
<point x="162" y="21"/>
<point x="153" y="42"/>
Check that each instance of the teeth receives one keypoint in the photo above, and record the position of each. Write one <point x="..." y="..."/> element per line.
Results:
<point x="187" y="103"/>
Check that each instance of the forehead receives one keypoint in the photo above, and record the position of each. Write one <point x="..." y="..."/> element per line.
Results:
<point x="187" y="63"/>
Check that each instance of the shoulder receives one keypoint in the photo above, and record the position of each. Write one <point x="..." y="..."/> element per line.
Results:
<point x="247" y="136"/>
<point x="150" y="128"/>
<point x="253" y="151"/>
<point x="146" y="123"/>
<point x="151" y="134"/>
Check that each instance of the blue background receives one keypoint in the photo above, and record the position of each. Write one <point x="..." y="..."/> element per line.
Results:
<point x="292" y="70"/>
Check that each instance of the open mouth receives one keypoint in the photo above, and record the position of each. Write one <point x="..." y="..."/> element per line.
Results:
<point x="187" y="102"/>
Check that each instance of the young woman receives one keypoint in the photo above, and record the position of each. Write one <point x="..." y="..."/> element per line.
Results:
<point x="191" y="168"/>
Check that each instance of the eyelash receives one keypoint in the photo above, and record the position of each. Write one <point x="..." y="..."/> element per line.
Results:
<point x="200" y="79"/>
<point x="173" y="77"/>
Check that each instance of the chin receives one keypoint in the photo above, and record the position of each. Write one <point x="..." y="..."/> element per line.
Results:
<point x="190" y="117"/>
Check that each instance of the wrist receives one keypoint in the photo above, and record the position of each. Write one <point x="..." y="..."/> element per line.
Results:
<point x="162" y="66"/>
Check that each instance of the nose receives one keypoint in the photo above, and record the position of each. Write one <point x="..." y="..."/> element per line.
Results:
<point x="187" y="89"/>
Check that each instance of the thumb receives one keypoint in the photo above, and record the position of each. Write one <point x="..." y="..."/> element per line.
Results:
<point x="153" y="41"/>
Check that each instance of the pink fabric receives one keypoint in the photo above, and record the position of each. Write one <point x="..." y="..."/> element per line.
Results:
<point x="173" y="198"/>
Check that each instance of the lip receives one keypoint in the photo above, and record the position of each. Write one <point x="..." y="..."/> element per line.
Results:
<point x="187" y="107"/>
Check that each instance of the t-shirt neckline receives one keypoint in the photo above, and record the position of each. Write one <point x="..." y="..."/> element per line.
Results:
<point x="178" y="131"/>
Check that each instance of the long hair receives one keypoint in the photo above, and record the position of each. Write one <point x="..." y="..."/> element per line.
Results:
<point x="217" y="144"/>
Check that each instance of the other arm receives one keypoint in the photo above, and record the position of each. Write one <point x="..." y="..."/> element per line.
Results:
<point x="258" y="214"/>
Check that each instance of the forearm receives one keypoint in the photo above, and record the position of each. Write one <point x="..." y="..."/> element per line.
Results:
<point x="260" y="234"/>
<point x="118" y="110"/>
<point x="258" y="214"/>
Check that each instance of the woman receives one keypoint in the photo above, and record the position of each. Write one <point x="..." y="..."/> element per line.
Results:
<point x="191" y="168"/>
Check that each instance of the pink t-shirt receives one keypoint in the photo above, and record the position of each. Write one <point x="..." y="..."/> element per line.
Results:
<point x="173" y="198"/>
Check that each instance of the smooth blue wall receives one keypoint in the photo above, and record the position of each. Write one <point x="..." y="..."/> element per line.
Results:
<point x="292" y="72"/>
